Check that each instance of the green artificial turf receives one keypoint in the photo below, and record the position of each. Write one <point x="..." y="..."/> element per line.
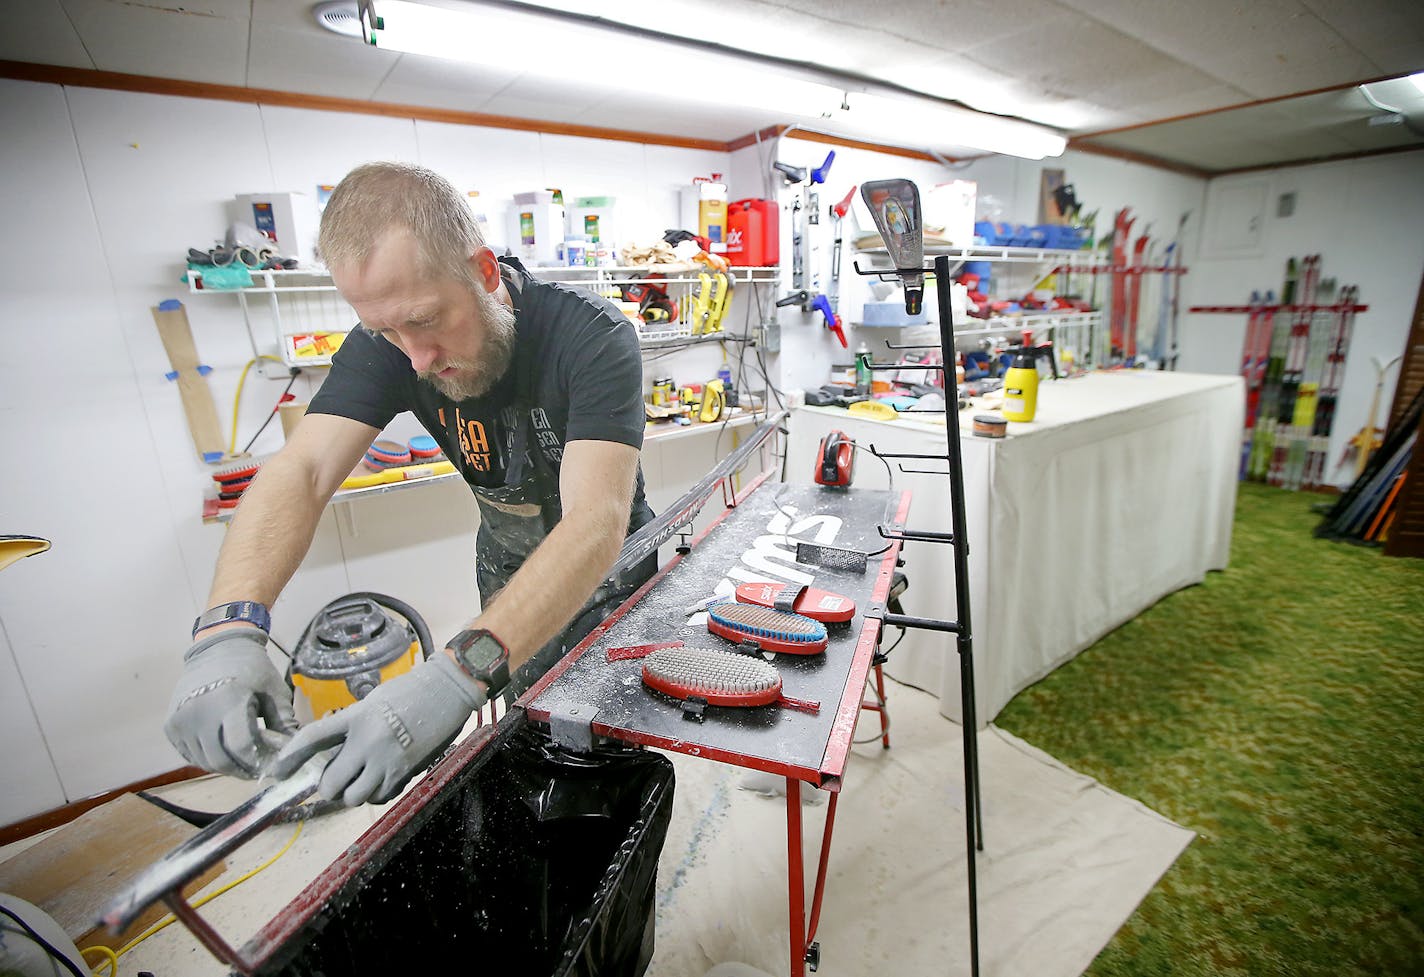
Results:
<point x="1277" y="710"/>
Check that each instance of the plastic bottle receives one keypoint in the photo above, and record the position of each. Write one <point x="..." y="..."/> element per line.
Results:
<point x="1021" y="381"/>
<point x="712" y="213"/>
<point x="862" y="370"/>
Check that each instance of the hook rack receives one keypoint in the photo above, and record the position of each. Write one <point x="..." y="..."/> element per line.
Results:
<point x="958" y="539"/>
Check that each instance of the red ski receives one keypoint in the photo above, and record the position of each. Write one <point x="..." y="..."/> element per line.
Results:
<point x="1134" y="295"/>
<point x="1255" y="349"/>
<point x="1122" y="230"/>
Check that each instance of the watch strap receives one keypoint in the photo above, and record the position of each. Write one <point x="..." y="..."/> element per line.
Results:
<point x="239" y="610"/>
<point x="494" y="672"/>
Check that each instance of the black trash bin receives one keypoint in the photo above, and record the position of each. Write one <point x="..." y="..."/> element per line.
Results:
<point x="530" y="857"/>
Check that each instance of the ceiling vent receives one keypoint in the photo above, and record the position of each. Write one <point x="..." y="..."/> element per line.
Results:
<point x="340" y="16"/>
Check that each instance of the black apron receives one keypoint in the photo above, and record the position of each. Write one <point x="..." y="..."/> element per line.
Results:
<point x="516" y="516"/>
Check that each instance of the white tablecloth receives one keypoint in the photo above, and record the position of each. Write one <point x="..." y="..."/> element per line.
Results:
<point x="1120" y="492"/>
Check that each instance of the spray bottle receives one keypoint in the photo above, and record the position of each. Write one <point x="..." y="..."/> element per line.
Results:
<point x="1021" y="380"/>
<point x="862" y="370"/>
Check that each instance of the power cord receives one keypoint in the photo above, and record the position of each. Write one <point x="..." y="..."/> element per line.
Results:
<point x="110" y="957"/>
<point x="237" y="398"/>
<point x="295" y="372"/>
<point x="198" y="903"/>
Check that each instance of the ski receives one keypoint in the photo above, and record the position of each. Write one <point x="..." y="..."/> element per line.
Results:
<point x="1255" y="349"/>
<point x="1122" y="228"/>
<point x="1267" y="412"/>
<point x="1164" y="342"/>
<point x="1293" y="368"/>
<point x="1330" y="385"/>
<point x="1134" y="295"/>
<point x="1303" y="418"/>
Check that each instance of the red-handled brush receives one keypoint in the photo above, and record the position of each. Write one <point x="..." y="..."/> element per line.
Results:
<point x="768" y="629"/>
<point x="240" y="470"/>
<point x="717" y="678"/>
<point x="819" y="605"/>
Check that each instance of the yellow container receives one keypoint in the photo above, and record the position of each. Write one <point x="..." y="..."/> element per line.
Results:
<point x="326" y="695"/>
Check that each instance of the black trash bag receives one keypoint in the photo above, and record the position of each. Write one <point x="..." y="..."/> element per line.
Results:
<point x="533" y="858"/>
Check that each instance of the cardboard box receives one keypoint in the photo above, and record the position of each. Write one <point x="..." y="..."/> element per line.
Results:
<point x="289" y="219"/>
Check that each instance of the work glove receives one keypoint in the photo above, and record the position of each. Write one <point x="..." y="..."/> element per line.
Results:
<point x="227" y="684"/>
<point x="390" y="735"/>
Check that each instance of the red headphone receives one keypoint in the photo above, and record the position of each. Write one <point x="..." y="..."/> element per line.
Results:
<point x="835" y="464"/>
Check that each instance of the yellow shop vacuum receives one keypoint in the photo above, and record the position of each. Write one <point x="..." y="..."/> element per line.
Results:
<point x="355" y="643"/>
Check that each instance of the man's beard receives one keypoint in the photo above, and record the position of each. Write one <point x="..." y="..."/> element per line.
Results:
<point x="477" y="378"/>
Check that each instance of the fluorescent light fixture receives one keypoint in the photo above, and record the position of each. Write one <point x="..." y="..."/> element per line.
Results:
<point x="910" y="122"/>
<point x="526" y="43"/>
<point x="523" y="41"/>
<point x="1418" y="79"/>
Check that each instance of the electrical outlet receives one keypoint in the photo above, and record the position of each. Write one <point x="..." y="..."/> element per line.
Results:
<point x="769" y="336"/>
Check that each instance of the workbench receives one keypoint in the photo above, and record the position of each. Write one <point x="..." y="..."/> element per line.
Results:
<point x="586" y="696"/>
<point x="1121" y="491"/>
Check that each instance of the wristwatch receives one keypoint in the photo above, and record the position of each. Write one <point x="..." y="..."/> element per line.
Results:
<point x="240" y="610"/>
<point x="482" y="655"/>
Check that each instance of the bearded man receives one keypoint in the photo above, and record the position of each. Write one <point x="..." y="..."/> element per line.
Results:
<point x="533" y="391"/>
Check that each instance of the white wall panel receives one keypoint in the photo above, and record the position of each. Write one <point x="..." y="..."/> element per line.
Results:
<point x="417" y="546"/>
<point x="308" y="148"/>
<point x="29" y="783"/>
<point x="81" y="620"/>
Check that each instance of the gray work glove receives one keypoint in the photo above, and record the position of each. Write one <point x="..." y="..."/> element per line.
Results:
<point x="227" y="684"/>
<point x="389" y="736"/>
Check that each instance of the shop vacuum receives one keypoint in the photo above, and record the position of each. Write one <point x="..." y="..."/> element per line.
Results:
<point x="352" y="645"/>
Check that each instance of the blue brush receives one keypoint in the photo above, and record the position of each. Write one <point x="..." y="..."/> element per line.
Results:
<point x="768" y="629"/>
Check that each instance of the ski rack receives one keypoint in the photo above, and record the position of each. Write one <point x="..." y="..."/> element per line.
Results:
<point x="959" y="540"/>
<point x="1246" y="309"/>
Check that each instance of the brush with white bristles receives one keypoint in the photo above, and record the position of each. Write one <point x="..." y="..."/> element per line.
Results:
<point x="719" y="678"/>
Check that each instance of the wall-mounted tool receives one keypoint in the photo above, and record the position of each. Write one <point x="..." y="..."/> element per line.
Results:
<point x="835" y="461"/>
<point x="805" y="270"/>
<point x="714" y="402"/>
<point x="832" y="310"/>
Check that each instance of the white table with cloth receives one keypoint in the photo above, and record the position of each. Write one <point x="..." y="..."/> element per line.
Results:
<point x="1121" y="491"/>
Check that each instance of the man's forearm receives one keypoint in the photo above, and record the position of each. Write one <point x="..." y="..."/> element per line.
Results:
<point x="269" y="534"/>
<point x="558" y="577"/>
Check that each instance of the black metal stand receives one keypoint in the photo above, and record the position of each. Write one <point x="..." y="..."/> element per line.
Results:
<point x="960" y="627"/>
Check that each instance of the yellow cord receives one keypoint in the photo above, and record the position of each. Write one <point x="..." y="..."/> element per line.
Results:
<point x="237" y="398"/>
<point x="110" y="957"/>
<point x="210" y="896"/>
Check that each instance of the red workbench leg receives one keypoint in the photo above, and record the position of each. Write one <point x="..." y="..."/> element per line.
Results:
<point x="795" y="878"/>
<point x="821" y="873"/>
<point x="880" y="691"/>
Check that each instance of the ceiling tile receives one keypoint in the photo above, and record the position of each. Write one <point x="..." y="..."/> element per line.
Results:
<point x="297" y="61"/>
<point x="1035" y="56"/>
<point x="1265" y="47"/>
<point x="206" y="41"/>
<point x="39" y="31"/>
<point x="438" y="83"/>
<point x="1390" y="34"/>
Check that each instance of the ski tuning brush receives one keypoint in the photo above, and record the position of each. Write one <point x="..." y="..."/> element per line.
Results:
<point x="700" y="677"/>
<point x="767" y="628"/>
<point x="819" y="605"/>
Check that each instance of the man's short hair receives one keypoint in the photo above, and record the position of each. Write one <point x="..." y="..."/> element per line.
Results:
<point x="375" y="197"/>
